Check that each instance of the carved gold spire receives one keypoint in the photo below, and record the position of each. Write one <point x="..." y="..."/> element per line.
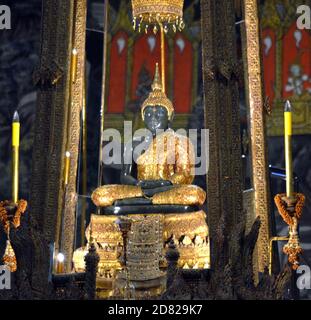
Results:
<point x="157" y="85"/>
<point x="154" y="12"/>
<point x="157" y="97"/>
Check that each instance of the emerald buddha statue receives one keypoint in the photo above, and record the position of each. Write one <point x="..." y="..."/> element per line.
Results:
<point x="161" y="190"/>
<point x="165" y="170"/>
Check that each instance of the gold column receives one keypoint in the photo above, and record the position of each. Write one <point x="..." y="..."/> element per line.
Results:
<point x="84" y="165"/>
<point x="103" y="98"/>
<point x="257" y="129"/>
<point x="77" y="77"/>
<point x="162" y="57"/>
<point x="50" y="133"/>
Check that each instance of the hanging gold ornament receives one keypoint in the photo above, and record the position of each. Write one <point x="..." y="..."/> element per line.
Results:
<point x="9" y="257"/>
<point x="6" y="219"/>
<point x="169" y="13"/>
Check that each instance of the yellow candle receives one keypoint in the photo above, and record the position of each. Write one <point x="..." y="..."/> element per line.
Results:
<point x="15" y="131"/>
<point x="288" y="148"/>
<point x="15" y="156"/>
<point x="67" y="167"/>
<point x="60" y="266"/>
<point x="74" y="65"/>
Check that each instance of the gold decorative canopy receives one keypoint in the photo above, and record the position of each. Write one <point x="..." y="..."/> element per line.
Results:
<point x="155" y="12"/>
<point x="157" y="97"/>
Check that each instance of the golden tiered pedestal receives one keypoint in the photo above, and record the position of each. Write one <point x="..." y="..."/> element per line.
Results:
<point x="146" y="262"/>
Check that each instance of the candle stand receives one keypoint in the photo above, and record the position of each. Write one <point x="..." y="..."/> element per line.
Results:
<point x="290" y="209"/>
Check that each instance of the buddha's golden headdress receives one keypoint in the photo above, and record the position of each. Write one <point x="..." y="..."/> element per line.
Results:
<point x="157" y="97"/>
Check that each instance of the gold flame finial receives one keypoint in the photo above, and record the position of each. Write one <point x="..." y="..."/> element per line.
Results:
<point x="157" y="84"/>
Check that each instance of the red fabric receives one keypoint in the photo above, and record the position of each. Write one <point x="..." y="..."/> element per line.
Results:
<point x="269" y="63"/>
<point x="117" y="71"/>
<point x="143" y="55"/>
<point x="293" y="54"/>
<point x="183" y="70"/>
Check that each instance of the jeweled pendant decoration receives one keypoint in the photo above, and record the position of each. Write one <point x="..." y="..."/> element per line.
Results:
<point x="9" y="257"/>
<point x="150" y="13"/>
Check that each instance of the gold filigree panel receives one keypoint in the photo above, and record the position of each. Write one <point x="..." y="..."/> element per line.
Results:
<point x="257" y="129"/>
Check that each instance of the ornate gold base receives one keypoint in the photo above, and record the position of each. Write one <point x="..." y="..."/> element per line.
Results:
<point x="189" y="231"/>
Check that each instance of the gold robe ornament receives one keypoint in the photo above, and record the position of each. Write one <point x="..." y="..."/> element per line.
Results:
<point x="170" y="156"/>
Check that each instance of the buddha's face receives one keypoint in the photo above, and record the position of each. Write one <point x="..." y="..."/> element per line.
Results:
<point x="156" y="118"/>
